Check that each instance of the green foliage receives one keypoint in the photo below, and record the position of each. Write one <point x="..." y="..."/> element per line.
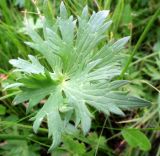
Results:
<point x="77" y="148"/>
<point x="135" y="138"/>
<point x="129" y="18"/>
<point x="80" y="74"/>
<point x="117" y="15"/>
<point x="74" y="147"/>
<point x="18" y="147"/>
<point x="2" y="110"/>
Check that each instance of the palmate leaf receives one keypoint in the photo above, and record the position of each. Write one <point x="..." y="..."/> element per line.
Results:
<point x="81" y="76"/>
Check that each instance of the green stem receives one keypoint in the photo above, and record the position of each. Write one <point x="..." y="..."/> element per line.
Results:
<point x="142" y="37"/>
<point x="144" y="58"/>
<point x="9" y="95"/>
<point x="23" y="137"/>
<point x="149" y="84"/>
<point x="21" y="126"/>
<point x="96" y="150"/>
<point x="40" y="143"/>
<point x="12" y="137"/>
<point x="22" y="119"/>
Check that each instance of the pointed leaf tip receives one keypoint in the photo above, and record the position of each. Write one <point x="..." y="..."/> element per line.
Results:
<point x="121" y="42"/>
<point x="12" y="61"/>
<point x="127" y="38"/>
<point x="105" y="13"/>
<point x="63" y="11"/>
<point x="85" y="11"/>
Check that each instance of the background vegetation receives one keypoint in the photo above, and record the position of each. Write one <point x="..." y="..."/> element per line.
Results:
<point x="139" y="19"/>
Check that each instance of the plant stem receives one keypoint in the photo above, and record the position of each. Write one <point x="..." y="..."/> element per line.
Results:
<point x="142" y="37"/>
<point x="22" y="119"/>
<point x="9" y="95"/>
<point x="24" y="137"/>
<point x="21" y="126"/>
<point x="144" y="58"/>
<point x="14" y="137"/>
<point x="40" y="143"/>
<point x="96" y="151"/>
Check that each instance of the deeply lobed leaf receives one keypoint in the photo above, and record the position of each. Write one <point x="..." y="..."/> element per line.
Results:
<point x="81" y="76"/>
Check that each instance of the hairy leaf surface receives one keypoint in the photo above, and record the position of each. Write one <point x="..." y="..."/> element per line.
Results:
<point x="83" y="68"/>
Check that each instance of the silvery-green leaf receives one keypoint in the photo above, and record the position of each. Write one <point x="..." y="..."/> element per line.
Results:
<point x="63" y="11"/>
<point x="51" y="111"/>
<point x="81" y="74"/>
<point x="29" y="67"/>
<point x="120" y="43"/>
<point x="13" y="85"/>
<point x="30" y="21"/>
